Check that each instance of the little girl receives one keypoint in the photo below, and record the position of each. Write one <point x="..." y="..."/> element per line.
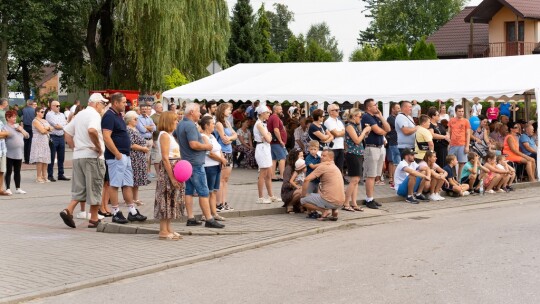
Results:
<point x="299" y="174"/>
<point x="503" y="165"/>
<point x="496" y="177"/>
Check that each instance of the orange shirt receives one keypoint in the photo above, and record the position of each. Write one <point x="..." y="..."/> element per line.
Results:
<point x="459" y="129"/>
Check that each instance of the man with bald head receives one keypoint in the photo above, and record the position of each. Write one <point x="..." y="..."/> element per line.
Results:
<point x="58" y="121"/>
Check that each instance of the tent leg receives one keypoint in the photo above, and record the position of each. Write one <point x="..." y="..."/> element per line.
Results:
<point x="537" y="96"/>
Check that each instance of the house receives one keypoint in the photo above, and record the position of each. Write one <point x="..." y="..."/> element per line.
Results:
<point x="513" y="28"/>
<point x="452" y="40"/>
<point x="48" y="83"/>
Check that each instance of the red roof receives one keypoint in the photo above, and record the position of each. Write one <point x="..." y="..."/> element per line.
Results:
<point x="453" y="38"/>
<point x="526" y="9"/>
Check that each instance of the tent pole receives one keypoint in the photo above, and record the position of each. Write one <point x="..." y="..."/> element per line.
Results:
<point x="537" y="96"/>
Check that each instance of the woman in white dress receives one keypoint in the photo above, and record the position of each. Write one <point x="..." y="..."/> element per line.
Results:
<point x="263" y="154"/>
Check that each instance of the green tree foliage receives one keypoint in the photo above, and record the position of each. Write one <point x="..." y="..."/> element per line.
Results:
<point x="406" y="21"/>
<point x="365" y="53"/>
<point x="320" y="33"/>
<point x="175" y="79"/>
<point x="242" y="45"/>
<point x="280" y="32"/>
<point x="296" y="50"/>
<point x="262" y="38"/>
<point x="422" y="50"/>
<point x="394" y="52"/>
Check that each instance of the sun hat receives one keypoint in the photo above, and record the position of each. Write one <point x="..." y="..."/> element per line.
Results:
<point x="299" y="164"/>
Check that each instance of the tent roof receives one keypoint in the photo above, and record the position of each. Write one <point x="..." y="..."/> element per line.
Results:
<point x="383" y="80"/>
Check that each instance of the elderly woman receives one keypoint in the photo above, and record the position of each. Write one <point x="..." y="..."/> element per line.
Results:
<point x="225" y="135"/>
<point x="317" y="130"/>
<point x="511" y="148"/>
<point x="15" y="151"/>
<point x="40" y="153"/>
<point x="244" y="145"/>
<point x="169" y="199"/>
<point x="137" y="154"/>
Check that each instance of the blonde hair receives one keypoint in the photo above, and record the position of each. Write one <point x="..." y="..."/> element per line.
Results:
<point x="313" y="144"/>
<point x="352" y="113"/>
<point x="167" y="121"/>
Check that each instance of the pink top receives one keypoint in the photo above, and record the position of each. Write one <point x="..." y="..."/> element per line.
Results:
<point x="492" y="113"/>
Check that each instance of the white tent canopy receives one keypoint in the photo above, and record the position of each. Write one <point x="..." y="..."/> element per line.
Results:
<point x="356" y="81"/>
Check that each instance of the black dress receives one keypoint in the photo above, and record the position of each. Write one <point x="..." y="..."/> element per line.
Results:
<point x="441" y="145"/>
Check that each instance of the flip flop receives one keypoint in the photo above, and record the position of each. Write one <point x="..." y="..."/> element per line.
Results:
<point x="348" y="208"/>
<point x="328" y="218"/>
<point x="356" y="208"/>
<point x="170" y="237"/>
<point x="92" y="224"/>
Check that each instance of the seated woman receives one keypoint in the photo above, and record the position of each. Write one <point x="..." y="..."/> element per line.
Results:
<point x="438" y="176"/>
<point x="290" y="190"/>
<point x="244" y="145"/>
<point x="511" y="148"/>
<point x="496" y="177"/>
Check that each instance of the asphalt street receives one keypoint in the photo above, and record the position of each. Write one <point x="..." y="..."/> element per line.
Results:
<point x="459" y="255"/>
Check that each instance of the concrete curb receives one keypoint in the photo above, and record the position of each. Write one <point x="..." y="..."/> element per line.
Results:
<point x="140" y="229"/>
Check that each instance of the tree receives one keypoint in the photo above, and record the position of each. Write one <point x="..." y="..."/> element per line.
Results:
<point x="175" y="79"/>
<point x="365" y="53"/>
<point x="279" y="30"/>
<point x="406" y="21"/>
<point x="296" y="49"/>
<point x="242" y="46"/>
<point x="394" y="51"/>
<point x="316" y="53"/>
<point x="262" y="38"/>
<point x="422" y="50"/>
<point x="320" y="33"/>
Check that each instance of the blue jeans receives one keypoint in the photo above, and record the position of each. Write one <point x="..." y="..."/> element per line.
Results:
<point x="58" y="148"/>
<point x="197" y="182"/>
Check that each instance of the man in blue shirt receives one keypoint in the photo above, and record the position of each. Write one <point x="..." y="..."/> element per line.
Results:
<point x="527" y="145"/>
<point x="193" y="149"/>
<point x="146" y="127"/>
<point x="28" y="115"/>
<point x="117" y="148"/>
<point x="374" y="153"/>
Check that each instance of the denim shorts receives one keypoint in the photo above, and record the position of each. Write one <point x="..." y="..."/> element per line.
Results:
<point x="278" y="152"/>
<point x="403" y="188"/>
<point x="213" y="174"/>
<point x="393" y="155"/>
<point x="459" y="152"/>
<point x="197" y="182"/>
<point x="120" y="172"/>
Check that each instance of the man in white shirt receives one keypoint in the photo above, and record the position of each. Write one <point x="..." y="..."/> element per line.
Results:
<point x="476" y="108"/>
<point x="58" y="148"/>
<point x="416" y="111"/>
<point x="405" y="127"/>
<point x="336" y="127"/>
<point x="83" y="134"/>
<point x="406" y="186"/>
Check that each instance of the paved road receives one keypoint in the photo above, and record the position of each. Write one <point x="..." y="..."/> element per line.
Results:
<point x="457" y="255"/>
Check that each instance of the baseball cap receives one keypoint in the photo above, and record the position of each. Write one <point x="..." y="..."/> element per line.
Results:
<point x="300" y="164"/>
<point x="97" y="97"/>
<point x="406" y="152"/>
<point x="262" y="109"/>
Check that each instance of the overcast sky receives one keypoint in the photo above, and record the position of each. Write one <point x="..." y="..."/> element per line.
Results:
<point x="344" y="17"/>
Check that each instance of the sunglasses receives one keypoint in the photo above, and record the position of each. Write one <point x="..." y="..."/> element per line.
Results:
<point x="56" y="106"/>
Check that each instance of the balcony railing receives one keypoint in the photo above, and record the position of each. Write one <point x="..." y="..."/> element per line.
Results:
<point x="502" y="49"/>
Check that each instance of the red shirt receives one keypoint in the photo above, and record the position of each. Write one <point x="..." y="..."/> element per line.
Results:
<point x="274" y="122"/>
<point x="237" y="115"/>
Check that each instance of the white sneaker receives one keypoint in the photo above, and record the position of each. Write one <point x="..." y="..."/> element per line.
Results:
<point x="490" y="191"/>
<point x="83" y="215"/>
<point x="433" y="197"/>
<point x="439" y="197"/>
<point x="262" y="200"/>
<point x="465" y="193"/>
<point x="20" y="191"/>
<point x="8" y="192"/>
<point x="274" y="199"/>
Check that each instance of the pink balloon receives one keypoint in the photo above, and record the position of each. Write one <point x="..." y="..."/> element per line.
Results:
<point x="182" y="171"/>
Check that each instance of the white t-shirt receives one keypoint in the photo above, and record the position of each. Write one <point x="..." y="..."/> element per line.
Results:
<point x="216" y="150"/>
<point x="400" y="174"/>
<point x="336" y="124"/>
<point x="451" y="111"/>
<point x="444" y="116"/>
<point x="291" y="110"/>
<point x="416" y="109"/>
<point x="476" y="109"/>
<point x="88" y="118"/>
<point x="404" y="141"/>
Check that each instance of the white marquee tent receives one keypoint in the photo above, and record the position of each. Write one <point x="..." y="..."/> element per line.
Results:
<point x="356" y="81"/>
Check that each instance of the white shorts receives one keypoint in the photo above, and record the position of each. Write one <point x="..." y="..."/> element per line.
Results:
<point x="263" y="155"/>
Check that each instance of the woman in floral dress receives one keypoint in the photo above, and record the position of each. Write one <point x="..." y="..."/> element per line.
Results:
<point x="137" y="154"/>
<point x="169" y="202"/>
<point x="40" y="153"/>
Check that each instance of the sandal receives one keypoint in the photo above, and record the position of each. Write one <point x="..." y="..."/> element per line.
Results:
<point x="328" y="218"/>
<point x="138" y="202"/>
<point x="93" y="224"/>
<point x="176" y="234"/>
<point x="356" y="208"/>
<point x="380" y="183"/>
<point x="170" y="237"/>
<point x="348" y="208"/>
<point x="290" y="210"/>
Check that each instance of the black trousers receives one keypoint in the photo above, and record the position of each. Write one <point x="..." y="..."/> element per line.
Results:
<point x="13" y="165"/>
<point x="27" y="143"/>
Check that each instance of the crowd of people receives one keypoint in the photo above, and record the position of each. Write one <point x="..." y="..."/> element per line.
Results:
<point x="321" y="157"/>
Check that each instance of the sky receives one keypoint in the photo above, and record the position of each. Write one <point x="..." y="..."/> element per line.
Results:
<point x="344" y="17"/>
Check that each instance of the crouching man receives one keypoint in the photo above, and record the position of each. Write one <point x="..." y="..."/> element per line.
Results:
<point x="331" y="195"/>
<point x="406" y="186"/>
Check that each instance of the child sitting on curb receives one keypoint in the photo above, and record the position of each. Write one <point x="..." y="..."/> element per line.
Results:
<point x="496" y="177"/>
<point x="473" y="172"/>
<point x="453" y="185"/>
<point x="503" y="165"/>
